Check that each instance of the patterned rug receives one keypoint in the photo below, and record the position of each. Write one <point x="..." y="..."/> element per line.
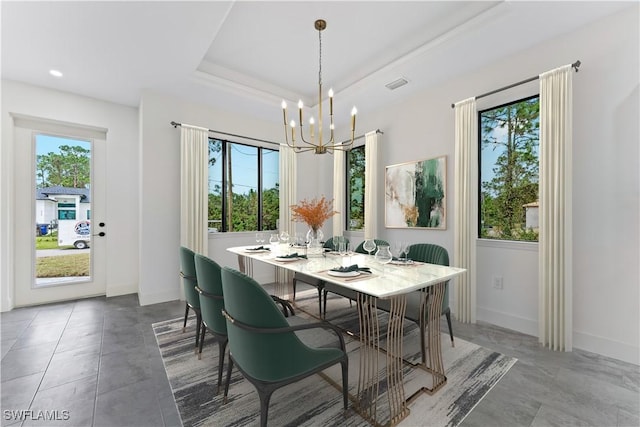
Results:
<point x="471" y="373"/>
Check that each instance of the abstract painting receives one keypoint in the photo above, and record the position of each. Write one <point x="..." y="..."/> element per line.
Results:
<point x="414" y="194"/>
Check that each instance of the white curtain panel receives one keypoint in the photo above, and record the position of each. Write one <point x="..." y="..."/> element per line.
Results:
<point x="288" y="189"/>
<point x="339" y="185"/>
<point x="465" y="209"/>
<point x="371" y="185"/>
<point x="194" y="181"/>
<point x="555" y="248"/>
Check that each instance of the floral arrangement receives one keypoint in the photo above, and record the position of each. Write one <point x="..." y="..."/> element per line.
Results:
<point x="313" y="212"/>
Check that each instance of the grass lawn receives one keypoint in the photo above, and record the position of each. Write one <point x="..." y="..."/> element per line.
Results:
<point x="47" y="242"/>
<point x="63" y="266"/>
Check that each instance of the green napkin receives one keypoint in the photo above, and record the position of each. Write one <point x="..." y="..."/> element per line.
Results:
<point x="293" y="255"/>
<point x="259" y="248"/>
<point x="350" y="268"/>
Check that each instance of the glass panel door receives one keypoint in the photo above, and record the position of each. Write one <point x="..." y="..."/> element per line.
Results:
<point x="63" y="210"/>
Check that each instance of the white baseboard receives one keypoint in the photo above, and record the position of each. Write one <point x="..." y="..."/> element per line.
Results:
<point x="509" y="321"/>
<point x="583" y="341"/>
<point x="606" y="347"/>
<point x="117" y="290"/>
<point x="158" y="297"/>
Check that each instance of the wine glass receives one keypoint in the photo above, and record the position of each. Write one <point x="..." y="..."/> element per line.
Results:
<point x="259" y="238"/>
<point x="369" y="245"/>
<point x="396" y="250"/>
<point x="405" y="250"/>
<point x="274" y="241"/>
<point x="383" y="256"/>
<point x="284" y="237"/>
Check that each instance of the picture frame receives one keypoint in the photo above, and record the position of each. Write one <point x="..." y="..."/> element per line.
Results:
<point x="415" y="194"/>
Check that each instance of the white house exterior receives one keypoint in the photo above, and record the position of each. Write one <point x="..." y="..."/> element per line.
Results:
<point x="55" y="203"/>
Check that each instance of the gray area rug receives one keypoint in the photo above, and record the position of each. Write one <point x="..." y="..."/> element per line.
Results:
<point x="471" y="373"/>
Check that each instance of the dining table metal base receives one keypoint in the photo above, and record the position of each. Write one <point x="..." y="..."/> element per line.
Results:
<point x="369" y="376"/>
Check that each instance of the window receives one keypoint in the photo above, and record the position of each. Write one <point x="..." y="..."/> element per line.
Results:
<point x="509" y="167"/>
<point x="243" y="187"/>
<point x="355" y="189"/>
<point x="66" y="214"/>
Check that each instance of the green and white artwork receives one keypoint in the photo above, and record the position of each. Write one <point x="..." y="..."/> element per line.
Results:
<point x="414" y="194"/>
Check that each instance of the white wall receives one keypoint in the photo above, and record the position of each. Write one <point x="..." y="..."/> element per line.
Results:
<point x="121" y="195"/>
<point x="605" y="178"/>
<point x="159" y="190"/>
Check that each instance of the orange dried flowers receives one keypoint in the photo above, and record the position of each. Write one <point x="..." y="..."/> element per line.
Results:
<point x="313" y="212"/>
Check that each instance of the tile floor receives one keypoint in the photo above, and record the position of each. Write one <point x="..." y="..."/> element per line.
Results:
<point x="96" y="362"/>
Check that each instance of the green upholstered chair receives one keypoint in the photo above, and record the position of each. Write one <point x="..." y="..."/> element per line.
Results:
<point x="318" y="283"/>
<point x="432" y="254"/>
<point x="209" y="289"/>
<point x="347" y="293"/>
<point x="265" y="347"/>
<point x="190" y="281"/>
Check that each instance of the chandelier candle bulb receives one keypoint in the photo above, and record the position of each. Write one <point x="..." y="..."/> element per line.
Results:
<point x="353" y="119"/>
<point x="284" y="113"/>
<point x="293" y="131"/>
<point x="311" y="123"/>
<point x="300" y="105"/>
<point x="331" y="101"/>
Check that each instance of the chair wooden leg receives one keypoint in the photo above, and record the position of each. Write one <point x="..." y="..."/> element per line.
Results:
<point x="320" y="288"/>
<point x="204" y="329"/>
<point x="345" y="383"/>
<point x="198" y="326"/>
<point x="222" y="346"/>
<point x="448" y="315"/>
<point x="324" y="314"/>
<point x="226" y="384"/>
<point x="265" y="397"/>
<point x="186" y="314"/>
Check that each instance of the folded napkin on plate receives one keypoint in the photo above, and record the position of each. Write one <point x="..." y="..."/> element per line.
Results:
<point x="353" y="267"/>
<point x="293" y="255"/>
<point x="259" y="248"/>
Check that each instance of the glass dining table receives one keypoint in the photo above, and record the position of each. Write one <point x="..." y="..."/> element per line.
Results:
<point x="388" y="282"/>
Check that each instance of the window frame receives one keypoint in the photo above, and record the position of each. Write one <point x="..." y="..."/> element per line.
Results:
<point x="511" y="101"/>
<point x="225" y="147"/>
<point x="347" y="192"/>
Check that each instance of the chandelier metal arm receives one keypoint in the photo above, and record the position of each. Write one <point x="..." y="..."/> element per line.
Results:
<point x="321" y="147"/>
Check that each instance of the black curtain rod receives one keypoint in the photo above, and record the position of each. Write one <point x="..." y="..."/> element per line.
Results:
<point x="176" y="124"/>
<point x="575" y="65"/>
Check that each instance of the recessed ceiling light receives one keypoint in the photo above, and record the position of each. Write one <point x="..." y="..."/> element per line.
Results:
<point x="55" y="73"/>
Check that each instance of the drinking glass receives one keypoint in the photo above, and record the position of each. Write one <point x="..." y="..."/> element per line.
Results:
<point x="397" y="249"/>
<point x="369" y="245"/>
<point x="383" y="256"/>
<point x="274" y="240"/>
<point x="284" y="237"/>
<point x="259" y="238"/>
<point x="342" y="247"/>
<point x="405" y="250"/>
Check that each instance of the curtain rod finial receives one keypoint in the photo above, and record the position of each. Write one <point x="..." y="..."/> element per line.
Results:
<point x="576" y="65"/>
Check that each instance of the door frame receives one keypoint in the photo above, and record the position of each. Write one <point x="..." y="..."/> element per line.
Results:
<point x="26" y="128"/>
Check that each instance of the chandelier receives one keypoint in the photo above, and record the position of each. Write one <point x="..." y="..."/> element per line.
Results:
<point x="316" y="142"/>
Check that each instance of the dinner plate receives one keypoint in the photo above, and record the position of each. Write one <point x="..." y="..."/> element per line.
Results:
<point x="401" y="262"/>
<point x="343" y="273"/>
<point x="281" y="259"/>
